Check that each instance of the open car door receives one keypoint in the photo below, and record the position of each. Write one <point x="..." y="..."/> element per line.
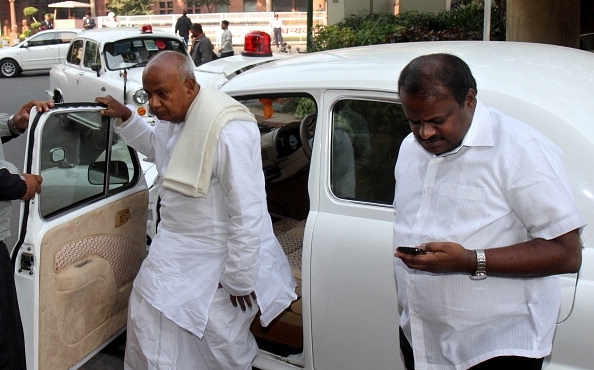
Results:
<point x="82" y="240"/>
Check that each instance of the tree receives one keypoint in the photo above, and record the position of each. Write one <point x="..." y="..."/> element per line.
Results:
<point x="30" y="11"/>
<point x="210" y="4"/>
<point x="131" y="7"/>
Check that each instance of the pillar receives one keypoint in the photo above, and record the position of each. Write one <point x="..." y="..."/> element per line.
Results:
<point x="554" y="22"/>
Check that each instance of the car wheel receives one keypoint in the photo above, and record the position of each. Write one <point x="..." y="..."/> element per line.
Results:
<point x="9" y="68"/>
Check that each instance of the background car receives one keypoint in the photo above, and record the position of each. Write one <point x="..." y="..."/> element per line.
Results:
<point x="110" y="61"/>
<point x="39" y="52"/>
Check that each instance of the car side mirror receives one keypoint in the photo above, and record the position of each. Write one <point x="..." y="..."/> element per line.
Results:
<point x="118" y="172"/>
<point x="96" y="67"/>
<point x="57" y="155"/>
<point x="25" y="44"/>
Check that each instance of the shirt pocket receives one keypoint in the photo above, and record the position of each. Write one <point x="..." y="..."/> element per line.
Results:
<point x="465" y="208"/>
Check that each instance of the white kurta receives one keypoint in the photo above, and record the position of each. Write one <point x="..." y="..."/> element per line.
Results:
<point x="225" y="237"/>
<point x="504" y="185"/>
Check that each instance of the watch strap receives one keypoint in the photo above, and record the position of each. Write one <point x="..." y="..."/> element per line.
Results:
<point x="481" y="265"/>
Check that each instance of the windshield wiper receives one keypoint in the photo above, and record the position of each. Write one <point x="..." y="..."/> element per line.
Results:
<point x="139" y="64"/>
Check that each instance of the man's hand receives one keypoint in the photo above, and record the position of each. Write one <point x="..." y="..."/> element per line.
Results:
<point x="33" y="185"/>
<point x="21" y="118"/>
<point x="114" y="108"/>
<point x="441" y="257"/>
<point x="243" y="300"/>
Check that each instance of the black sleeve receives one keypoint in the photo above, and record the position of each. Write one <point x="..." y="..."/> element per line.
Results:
<point x="11" y="186"/>
<point x="6" y="139"/>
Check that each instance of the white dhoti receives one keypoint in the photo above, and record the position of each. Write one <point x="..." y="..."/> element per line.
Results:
<point x="155" y="342"/>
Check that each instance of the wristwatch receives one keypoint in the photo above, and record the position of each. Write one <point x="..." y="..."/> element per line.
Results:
<point x="11" y="127"/>
<point x="481" y="266"/>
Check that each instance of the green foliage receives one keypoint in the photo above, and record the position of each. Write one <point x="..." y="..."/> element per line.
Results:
<point x="25" y="34"/>
<point x="210" y="4"/>
<point x="35" y="25"/>
<point x="305" y="107"/>
<point x="30" y="11"/>
<point x="465" y="22"/>
<point x="130" y="7"/>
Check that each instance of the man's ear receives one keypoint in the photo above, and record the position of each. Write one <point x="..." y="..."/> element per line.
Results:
<point x="470" y="100"/>
<point x="191" y="85"/>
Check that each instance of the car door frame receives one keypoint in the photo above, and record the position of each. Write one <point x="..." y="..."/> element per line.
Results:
<point x="341" y="297"/>
<point x="117" y="217"/>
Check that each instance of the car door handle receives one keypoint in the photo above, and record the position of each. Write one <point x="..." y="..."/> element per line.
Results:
<point x="81" y="73"/>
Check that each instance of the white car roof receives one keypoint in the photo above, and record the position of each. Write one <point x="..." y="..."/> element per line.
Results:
<point x="103" y="35"/>
<point x="558" y="77"/>
<point x="549" y="87"/>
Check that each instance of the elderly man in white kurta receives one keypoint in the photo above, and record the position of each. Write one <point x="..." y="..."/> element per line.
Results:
<point x="214" y="254"/>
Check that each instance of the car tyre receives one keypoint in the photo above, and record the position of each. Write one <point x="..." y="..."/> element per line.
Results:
<point x="9" y="68"/>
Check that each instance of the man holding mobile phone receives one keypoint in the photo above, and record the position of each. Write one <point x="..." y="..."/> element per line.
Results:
<point x="485" y="200"/>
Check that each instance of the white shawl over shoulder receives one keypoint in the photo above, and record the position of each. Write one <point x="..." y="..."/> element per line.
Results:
<point x="190" y="167"/>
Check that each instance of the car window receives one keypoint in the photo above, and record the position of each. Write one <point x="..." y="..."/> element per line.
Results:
<point x="75" y="53"/>
<point x="42" y="39"/>
<point x="91" y="54"/>
<point x="74" y="155"/>
<point x="366" y="138"/>
<point x="66" y="37"/>
<point x="279" y="119"/>
<point x="137" y="52"/>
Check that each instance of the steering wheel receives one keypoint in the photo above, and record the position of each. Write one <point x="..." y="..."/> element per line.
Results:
<point x="307" y="128"/>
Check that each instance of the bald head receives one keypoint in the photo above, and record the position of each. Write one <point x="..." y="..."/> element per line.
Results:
<point x="169" y="61"/>
<point x="169" y="81"/>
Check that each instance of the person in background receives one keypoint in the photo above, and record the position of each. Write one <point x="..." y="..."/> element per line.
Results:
<point x="183" y="26"/>
<point x="13" y="186"/>
<point x="47" y="23"/>
<point x="320" y="8"/>
<point x="486" y="200"/>
<point x="202" y="49"/>
<point x="112" y="20"/>
<point x="277" y="27"/>
<point x="226" y="49"/>
<point x="215" y="261"/>
<point x="88" y="22"/>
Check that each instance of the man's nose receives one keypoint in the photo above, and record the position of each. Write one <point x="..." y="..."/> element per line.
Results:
<point x="426" y="130"/>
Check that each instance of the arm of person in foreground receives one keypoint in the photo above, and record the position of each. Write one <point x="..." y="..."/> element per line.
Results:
<point x="534" y="258"/>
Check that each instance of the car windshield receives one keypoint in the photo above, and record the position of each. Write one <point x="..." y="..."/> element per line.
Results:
<point x="136" y="52"/>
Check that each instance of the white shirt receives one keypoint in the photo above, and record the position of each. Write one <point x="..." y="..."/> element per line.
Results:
<point x="276" y="23"/>
<point x="226" y="237"/>
<point x="227" y="40"/>
<point x="505" y="184"/>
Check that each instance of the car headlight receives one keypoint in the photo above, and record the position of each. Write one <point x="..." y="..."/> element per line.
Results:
<point x="140" y="97"/>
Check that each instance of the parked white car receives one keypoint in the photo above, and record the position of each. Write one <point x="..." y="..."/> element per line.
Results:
<point x="37" y="53"/>
<point x="110" y="61"/>
<point x="331" y="125"/>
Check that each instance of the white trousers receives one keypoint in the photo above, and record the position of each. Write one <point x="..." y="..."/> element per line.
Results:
<point x="155" y="342"/>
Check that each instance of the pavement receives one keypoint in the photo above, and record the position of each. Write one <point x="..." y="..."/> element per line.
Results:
<point x="110" y="358"/>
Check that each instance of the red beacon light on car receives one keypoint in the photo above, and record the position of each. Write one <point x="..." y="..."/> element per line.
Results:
<point x="256" y="44"/>
<point x="147" y="28"/>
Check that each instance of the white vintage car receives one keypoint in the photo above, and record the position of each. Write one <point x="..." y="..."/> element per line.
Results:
<point x="110" y="61"/>
<point x="331" y="125"/>
<point x="37" y="53"/>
